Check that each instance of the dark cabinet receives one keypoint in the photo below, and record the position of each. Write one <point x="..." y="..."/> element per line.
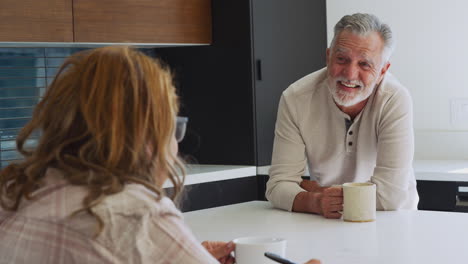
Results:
<point x="217" y="193"/>
<point x="231" y="89"/>
<point x="437" y="195"/>
<point x="289" y="42"/>
<point x="449" y="196"/>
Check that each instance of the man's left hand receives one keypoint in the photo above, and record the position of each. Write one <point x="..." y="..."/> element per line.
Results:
<point x="329" y="200"/>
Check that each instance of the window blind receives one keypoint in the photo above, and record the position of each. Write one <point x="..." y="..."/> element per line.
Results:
<point x="24" y="75"/>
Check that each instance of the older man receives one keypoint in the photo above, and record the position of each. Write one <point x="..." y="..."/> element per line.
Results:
<point x="350" y="122"/>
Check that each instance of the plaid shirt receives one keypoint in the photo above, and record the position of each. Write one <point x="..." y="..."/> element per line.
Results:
<point x="138" y="228"/>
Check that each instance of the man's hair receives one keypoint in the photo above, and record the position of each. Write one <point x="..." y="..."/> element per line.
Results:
<point x="106" y="120"/>
<point x="364" y="24"/>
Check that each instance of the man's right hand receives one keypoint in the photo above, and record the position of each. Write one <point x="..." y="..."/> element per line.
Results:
<point x="326" y="201"/>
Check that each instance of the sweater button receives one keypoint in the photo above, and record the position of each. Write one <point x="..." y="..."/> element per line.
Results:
<point x="350" y="143"/>
<point x="350" y="132"/>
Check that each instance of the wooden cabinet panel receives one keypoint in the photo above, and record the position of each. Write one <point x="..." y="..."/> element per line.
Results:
<point x="36" y="20"/>
<point x="142" y="21"/>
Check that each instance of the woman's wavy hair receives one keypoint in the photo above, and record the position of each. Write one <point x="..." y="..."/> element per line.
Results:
<point x="107" y="119"/>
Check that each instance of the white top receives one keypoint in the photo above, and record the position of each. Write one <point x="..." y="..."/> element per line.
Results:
<point x="197" y="173"/>
<point x="378" y="146"/>
<point x="441" y="170"/>
<point x="403" y="237"/>
<point x="424" y="170"/>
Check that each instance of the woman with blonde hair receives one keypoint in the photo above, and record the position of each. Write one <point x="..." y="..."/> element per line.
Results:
<point x="90" y="191"/>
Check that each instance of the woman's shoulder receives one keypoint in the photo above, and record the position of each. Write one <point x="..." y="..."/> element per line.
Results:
<point x="136" y="200"/>
<point x="141" y="225"/>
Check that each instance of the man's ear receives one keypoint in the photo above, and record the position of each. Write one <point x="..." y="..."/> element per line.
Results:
<point x="384" y="70"/>
<point x="328" y="54"/>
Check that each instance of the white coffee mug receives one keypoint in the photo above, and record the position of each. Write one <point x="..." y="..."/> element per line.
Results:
<point x="359" y="202"/>
<point x="251" y="250"/>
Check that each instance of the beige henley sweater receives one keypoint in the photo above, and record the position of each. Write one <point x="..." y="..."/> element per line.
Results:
<point x="377" y="147"/>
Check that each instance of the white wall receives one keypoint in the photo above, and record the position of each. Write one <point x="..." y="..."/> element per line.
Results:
<point x="431" y="59"/>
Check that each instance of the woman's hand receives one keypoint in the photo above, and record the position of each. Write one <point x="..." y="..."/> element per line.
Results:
<point x="221" y="251"/>
<point x="313" y="261"/>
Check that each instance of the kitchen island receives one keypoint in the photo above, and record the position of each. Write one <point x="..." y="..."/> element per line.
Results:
<point x="395" y="237"/>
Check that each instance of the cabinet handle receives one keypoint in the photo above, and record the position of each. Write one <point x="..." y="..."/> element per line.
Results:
<point x="259" y="70"/>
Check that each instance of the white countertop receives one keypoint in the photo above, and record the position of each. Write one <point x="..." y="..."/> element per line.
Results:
<point x="427" y="170"/>
<point x="209" y="173"/>
<point x="395" y="237"/>
<point x="441" y="170"/>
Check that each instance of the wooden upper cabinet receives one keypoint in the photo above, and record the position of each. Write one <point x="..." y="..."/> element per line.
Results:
<point x="142" y="21"/>
<point x="36" y="20"/>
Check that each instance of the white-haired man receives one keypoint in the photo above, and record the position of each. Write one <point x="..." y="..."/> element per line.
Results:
<point x="351" y="122"/>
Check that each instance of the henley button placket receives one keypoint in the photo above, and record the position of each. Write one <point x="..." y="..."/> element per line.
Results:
<point x="349" y="135"/>
<point x="349" y="140"/>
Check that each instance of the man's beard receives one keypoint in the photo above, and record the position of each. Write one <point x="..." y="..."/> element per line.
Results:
<point x="345" y="98"/>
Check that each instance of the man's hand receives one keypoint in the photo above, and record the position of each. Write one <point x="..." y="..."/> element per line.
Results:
<point x="220" y="251"/>
<point x="311" y="186"/>
<point x="330" y="201"/>
<point x="326" y="201"/>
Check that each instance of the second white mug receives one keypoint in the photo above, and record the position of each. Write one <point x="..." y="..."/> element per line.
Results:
<point x="251" y="250"/>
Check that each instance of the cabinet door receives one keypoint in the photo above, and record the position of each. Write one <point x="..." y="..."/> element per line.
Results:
<point x="215" y="85"/>
<point x="36" y="20"/>
<point x="142" y="21"/>
<point x="437" y="195"/>
<point x="289" y="42"/>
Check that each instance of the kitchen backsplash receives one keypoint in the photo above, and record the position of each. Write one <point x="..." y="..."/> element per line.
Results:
<point x="24" y="75"/>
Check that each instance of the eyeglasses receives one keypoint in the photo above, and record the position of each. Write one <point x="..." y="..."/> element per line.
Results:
<point x="181" y="126"/>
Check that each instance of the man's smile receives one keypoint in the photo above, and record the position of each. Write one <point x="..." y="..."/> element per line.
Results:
<point x="349" y="85"/>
